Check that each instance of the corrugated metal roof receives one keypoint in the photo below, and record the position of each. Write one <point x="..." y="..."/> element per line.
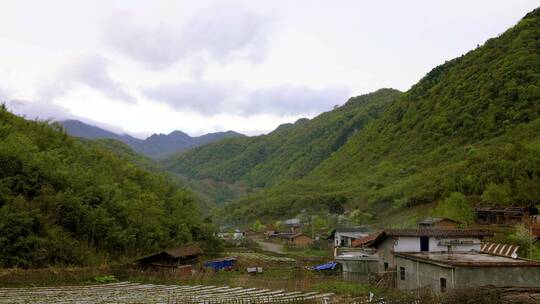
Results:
<point x="499" y="249"/>
<point x="438" y="232"/>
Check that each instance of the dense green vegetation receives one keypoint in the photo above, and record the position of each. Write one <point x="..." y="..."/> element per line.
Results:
<point x="289" y="152"/>
<point x="471" y="126"/>
<point x="67" y="202"/>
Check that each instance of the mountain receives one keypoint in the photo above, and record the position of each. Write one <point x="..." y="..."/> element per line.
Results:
<point x="156" y="146"/>
<point x="471" y="126"/>
<point x="289" y="152"/>
<point x="68" y="202"/>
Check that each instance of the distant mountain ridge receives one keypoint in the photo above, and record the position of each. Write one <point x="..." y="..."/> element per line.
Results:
<point x="156" y="146"/>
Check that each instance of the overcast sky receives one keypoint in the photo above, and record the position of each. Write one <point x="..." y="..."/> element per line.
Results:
<point x="201" y="66"/>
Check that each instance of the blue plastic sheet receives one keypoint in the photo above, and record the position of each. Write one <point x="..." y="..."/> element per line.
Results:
<point x="327" y="266"/>
<point x="220" y="264"/>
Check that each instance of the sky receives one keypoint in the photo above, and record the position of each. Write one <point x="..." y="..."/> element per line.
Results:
<point x="144" y="67"/>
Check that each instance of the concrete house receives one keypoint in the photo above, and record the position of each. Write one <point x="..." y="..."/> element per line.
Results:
<point x="441" y="271"/>
<point x="394" y="241"/>
<point x="344" y="236"/>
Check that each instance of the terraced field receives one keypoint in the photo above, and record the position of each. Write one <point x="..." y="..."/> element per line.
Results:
<point x="263" y="257"/>
<point x="123" y="293"/>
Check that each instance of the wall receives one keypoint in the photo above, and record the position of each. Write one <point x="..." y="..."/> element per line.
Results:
<point x="385" y="252"/>
<point x="412" y="244"/>
<point x="498" y="276"/>
<point x="418" y="274"/>
<point x="302" y="241"/>
<point x="421" y="274"/>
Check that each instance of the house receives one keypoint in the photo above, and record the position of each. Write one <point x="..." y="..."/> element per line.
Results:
<point x="393" y="241"/>
<point x="298" y="240"/>
<point x="231" y="234"/>
<point x="503" y="215"/>
<point x="438" y="222"/>
<point x="440" y="271"/>
<point x="344" y="236"/>
<point x="293" y="225"/>
<point x="183" y="255"/>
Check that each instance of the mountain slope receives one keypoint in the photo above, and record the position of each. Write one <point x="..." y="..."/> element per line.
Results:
<point x="469" y="124"/>
<point x="64" y="202"/>
<point x="291" y="151"/>
<point x="156" y="146"/>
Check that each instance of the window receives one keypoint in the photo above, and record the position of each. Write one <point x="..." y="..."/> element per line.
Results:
<point x="443" y="284"/>
<point x="385" y="266"/>
<point x="402" y="273"/>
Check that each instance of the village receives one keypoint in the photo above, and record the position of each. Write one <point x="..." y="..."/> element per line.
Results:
<point x="437" y="255"/>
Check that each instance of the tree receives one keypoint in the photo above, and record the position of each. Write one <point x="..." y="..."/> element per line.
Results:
<point x="497" y="193"/>
<point x="456" y="207"/>
<point x="257" y="226"/>
<point x="526" y="241"/>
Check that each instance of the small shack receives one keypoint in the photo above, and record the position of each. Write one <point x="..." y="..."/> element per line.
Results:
<point x="174" y="257"/>
<point x="503" y="215"/>
<point x="438" y="223"/>
<point x="298" y="240"/>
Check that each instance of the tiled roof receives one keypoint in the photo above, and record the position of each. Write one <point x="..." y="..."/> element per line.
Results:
<point x="438" y="232"/>
<point x="364" y="241"/>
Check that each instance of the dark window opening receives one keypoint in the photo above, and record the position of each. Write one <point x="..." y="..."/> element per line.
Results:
<point x="424" y="243"/>
<point x="402" y="273"/>
<point x="443" y="284"/>
<point x="385" y="266"/>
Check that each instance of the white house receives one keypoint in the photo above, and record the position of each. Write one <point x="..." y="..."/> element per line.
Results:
<point x="393" y="241"/>
<point x="343" y="237"/>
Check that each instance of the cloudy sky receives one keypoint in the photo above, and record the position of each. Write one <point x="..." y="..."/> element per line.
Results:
<point x="201" y="66"/>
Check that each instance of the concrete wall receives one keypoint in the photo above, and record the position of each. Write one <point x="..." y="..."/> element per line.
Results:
<point x="359" y="265"/>
<point x="386" y="255"/>
<point x="418" y="275"/>
<point x="421" y="274"/>
<point x="498" y="276"/>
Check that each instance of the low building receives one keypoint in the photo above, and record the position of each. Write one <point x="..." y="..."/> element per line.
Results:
<point x="298" y="240"/>
<point x="344" y="236"/>
<point x="231" y="234"/>
<point x="358" y="266"/>
<point x="438" y="223"/>
<point x="503" y="215"/>
<point x="183" y="255"/>
<point x="293" y="225"/>
<point x="441" y="271"/>
<point x="393" y="241"/>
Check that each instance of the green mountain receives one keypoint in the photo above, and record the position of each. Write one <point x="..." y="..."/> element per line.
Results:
<point x="471" y="125"/>
<point x="289" y="152"/>
<point x="69" y="202"/>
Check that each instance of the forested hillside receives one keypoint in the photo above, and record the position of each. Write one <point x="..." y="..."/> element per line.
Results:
<point x="289" y="152"/>
<point x="66" y="202"/>
<point x="469" y="126"/>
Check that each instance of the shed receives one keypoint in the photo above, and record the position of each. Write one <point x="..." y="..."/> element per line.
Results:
<point x="295" y="239"/>
<point x="183" y="255"/>
<point x="503" y="215"/>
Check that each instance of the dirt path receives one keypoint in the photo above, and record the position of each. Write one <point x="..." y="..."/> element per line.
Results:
<point x="271" y="247"/>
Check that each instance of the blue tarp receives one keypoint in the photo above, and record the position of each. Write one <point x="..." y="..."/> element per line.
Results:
<point x="220" y="264"/>
<point x="327" y="266"/>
